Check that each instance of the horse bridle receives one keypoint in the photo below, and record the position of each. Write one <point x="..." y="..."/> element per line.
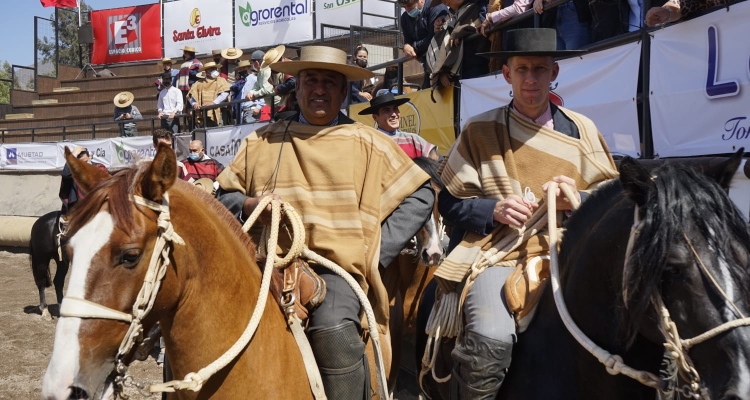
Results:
<point x="82" y="308"/>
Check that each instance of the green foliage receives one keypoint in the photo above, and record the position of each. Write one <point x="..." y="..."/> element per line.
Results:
<point x="6" y="72"/>
<point x="70" y="51"/>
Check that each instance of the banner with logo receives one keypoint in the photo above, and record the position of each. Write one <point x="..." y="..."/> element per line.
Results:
<point x="223" y="144"/>
<point x="204" y="25"/>
<point x="600" y="85"/>
<point x="432" y="121"/>
<point x="260" y="23"/>
<point x="337" y="12"/>
<point x="700" y="85"/>
<point x="126" y="34"/>
<point x="127" y="151"/>
<point x="29" y="156"/>
<point x="100" y="150"/>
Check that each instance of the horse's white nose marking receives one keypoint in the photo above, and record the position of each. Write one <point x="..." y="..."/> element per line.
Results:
<point x="64" y="364"/>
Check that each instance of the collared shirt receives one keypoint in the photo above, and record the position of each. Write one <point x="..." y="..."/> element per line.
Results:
<point x="249" y="84"/>
<point x="170" y="101"/>
<point x="505" y="13"/>
<point x="544" y="120"/>
<point x="302" y="120"/>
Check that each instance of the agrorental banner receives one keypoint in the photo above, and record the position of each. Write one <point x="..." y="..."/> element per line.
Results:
<point x="260" y="23"/>
<point x="126" y="34"/>
<point x="205" y="25"/>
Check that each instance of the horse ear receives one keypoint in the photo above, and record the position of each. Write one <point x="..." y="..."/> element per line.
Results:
<point x="636" y="180"/>
<point x="724" y="171"/>
<point x="160" y="175"/>
<point x="86" y="175"/>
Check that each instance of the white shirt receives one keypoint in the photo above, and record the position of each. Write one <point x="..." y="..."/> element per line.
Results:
<point x="170" y="101"/>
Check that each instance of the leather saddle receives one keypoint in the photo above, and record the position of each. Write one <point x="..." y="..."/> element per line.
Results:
<point x="297" y="288"/>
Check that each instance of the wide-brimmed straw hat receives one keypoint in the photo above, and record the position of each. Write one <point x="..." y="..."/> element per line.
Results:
<point x="272" y="56"/>
<point x="532" y="42"/>
<point x="231" y="53"/>
<point x="383" y="100"/>
<point x="189" y="48"/>
<point x="166" y="60"/>
<point x="244" y="64"/>
<point x="322" y="57"/>
<point x="124" y="99"/>
<point x="209" y="65"/>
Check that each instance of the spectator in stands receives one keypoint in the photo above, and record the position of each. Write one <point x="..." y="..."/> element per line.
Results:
<point x="69" y="191"/>
<point x="573" y="21"/>
<point x="466" y="18"/>
<point x="674" y="10"/>
<point x="263" y="89"/>
<point x="221" y="64"/>
<point x="188" y="70"/>
<point x="169" y="104"/>
<point x="166" y="65"/>
<point x="229" y="62"/>
<point x="285" y="89"/>
<point x="250" y="110"/>
<point x="417" y="26"/>
<point x="213" y="90"/>
<point x="125" y="110"/>
<point x="199" y="165"/>
<point x="162" y="136"/>
<point x="357" y="95"/>
<point x="242" y="71"/>
<point x="385" y="112"/>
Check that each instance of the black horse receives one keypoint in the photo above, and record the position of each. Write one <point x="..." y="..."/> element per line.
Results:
<point x="43" y="247"/>
<point x="688" y="220"/>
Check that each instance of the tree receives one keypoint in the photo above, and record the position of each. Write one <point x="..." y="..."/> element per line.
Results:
<point x="6" y="72"/>
<point x="67" y="27"/>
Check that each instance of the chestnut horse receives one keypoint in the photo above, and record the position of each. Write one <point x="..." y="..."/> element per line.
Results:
<point x="207" y="294"/>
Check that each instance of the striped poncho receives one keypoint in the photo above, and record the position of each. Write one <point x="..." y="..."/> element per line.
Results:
<point x="488" y="162"/>
<point x="343" y="180"/>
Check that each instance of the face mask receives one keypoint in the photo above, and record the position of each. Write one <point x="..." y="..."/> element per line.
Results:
<point x="194" y="156"/>
<point x="214" y="74"/>
<point x="414" y="13"/>
<point x="361" y="62"/>
<point x="217" y="60"/>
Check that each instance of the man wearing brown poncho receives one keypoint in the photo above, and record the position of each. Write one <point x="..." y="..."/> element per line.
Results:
<point x="210" y="91"/>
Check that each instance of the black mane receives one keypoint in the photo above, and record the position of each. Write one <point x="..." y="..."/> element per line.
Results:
<point x="430" y="166"/>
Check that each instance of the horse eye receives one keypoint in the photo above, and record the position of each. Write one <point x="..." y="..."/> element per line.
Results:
<point x="129" y="258"/>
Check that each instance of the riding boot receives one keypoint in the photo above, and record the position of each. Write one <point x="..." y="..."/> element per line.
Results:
<point x="481" y="365"/>
<point x="340" y="354"/>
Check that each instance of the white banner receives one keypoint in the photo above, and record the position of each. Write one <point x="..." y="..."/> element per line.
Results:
<point x="377" y="7"/>
<point x="29" y="156"/>
<point x="337" y="12"/>
<point x="261" y="23"/>
<point x="700" y="85"/>
<point x="222" y="144"/>
<point x="600" y="85"/>
<point x="127" y="151"/>
<point x="100" y="150"/>
<point x="205" y="25"/>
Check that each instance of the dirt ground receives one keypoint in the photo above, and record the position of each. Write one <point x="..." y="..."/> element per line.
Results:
<point x="26" y="339"/>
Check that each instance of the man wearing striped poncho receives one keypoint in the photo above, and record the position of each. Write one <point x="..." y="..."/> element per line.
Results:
<point x="360" y="197"/>
<point x="496" y="175"/>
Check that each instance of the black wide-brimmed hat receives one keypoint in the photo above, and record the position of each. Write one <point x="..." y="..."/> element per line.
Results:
<point x="385" y="99"/>
<point x="532" y="42"/>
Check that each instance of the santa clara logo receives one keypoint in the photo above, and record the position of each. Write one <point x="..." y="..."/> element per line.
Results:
<point x="195" y="18"/>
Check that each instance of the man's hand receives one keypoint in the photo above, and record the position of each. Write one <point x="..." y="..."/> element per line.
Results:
<point x="366" y="96"/>
<point x="208" y="103"/>
<point x="171" y="116"/>
<point x="161" y="114"/>
<point x="249" y="96"/>
<point x="196" y="106"/>
<point x="562" y="202"/>
<point x="486" y="25"/>
<point x="251" y="203"/>
<point x="514" y="211"/>
<point x="409" y="51"/>
<point x="438" y="25"/>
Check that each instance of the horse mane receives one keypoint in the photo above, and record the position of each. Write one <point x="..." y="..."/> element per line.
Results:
<point x="430" y="166"/>
<point x="680" y="195"/>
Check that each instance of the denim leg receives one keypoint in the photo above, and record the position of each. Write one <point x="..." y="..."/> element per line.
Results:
<point x="571" y="34"/>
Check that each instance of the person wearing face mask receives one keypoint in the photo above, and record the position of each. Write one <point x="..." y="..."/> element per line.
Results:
<point x="263" y="91"/>
<point x="213" y="90"/>
<point x="199" y="165"/>
<point x="417" y="26"/>
<point x="168" y="104"/>
<point x="357" y="94"/>
<point x="241" y="73"/>
<point x="69" y="192"/>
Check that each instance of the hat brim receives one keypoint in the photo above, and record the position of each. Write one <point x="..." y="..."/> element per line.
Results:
<point x="130" y="100"/>
<point x="557" y="54"/>
<point x="351" y="72"/>
<point x="373" y="109"/>
<point x="226" y="56"/>
<point x="280" y="49"/>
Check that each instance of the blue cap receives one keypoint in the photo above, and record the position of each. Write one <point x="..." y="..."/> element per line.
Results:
<point x="257" y="55"/>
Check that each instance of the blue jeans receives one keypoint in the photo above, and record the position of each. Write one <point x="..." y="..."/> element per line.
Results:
<point x="571" y="34"/>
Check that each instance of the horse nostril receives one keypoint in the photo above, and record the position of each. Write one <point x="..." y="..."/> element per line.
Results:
<point x="77" y="393"/>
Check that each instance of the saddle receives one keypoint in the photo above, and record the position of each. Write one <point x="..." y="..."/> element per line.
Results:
<point x="524" y="288"/>
<point x="297" y="288"/>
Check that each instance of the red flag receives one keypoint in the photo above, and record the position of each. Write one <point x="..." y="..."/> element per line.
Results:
<point x="60" y="3"/>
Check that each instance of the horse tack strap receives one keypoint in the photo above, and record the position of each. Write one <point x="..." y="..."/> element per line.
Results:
<point x="311" y="366"/>
<point x="82" y="308"/>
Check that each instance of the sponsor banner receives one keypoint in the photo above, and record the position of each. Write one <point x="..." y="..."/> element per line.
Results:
<point x="126" y="34"/>
<point x="261" y="23"/>
<point x="378" y="7"/>
<point x="337" y="12"/>
<point x="600" y="85"/>
<point x="127" y="151"/>
<point x="204" y="25"/>
<point x="222" y="144"/>
<point x="29" y="156"/>
<point x="700" y="85"/>
<point x="432" y="121"/>
<point x="100" y="150"/>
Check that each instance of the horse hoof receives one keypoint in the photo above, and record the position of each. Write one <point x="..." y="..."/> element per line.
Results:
<point x="46" y="316"/>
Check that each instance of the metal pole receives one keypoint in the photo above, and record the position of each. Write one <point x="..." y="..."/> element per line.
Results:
<point x="32" y="135"/>
<point x="400" y="78"/>
<point x="63" y="135"/>
<point x="57" y="43"/>
<point x="647" y="137"/>
<point x="36" y="49"/>
<point x="93" y="131"/>
<point x="79" y="13"/>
